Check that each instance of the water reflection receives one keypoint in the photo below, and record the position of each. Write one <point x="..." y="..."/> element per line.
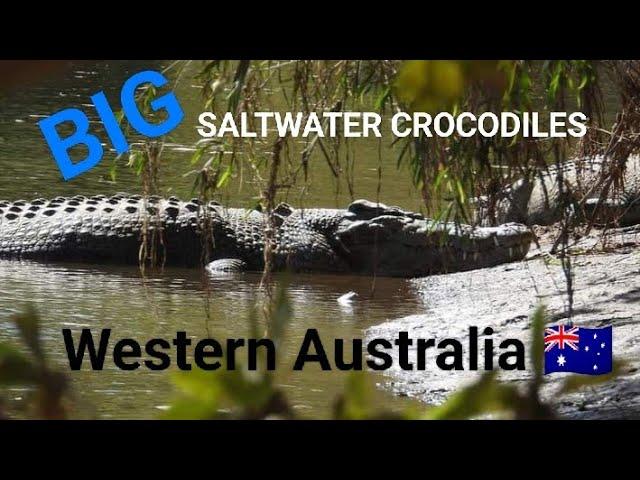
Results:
<point x="81" y="296"/>
<point x="78" y="296"/>
<point x="24" y="154"/>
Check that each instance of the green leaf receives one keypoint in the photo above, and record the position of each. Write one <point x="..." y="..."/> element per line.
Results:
<point x="113" y="172"/>
<point x="282" y="312"/>
<point x="191" y="409"/>
<point x="537" y="345"/>
<point x="15" y="367"/>
<point x="197" y="155"/>
<point x="206" y="394"/>
<point x="249" y="390"/>
<point x="238" y="84"/>
<point x="226" y="175"/>
<point x="382" y="99"/>
<point x="199" y="395"/>
<point x="354" y="404"/>
<point x="430" y="85"/>
<point x="485" y="396"/>
<point x="576" y="382"/>
<point x="28" y="325"/>
<point x="119" y="116"/>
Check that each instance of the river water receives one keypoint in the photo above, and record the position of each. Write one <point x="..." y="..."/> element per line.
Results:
<point x="78" y="296"/>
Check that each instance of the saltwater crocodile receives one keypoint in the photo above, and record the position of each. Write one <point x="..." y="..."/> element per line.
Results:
<point x="535" y="200"/>
<point x="365" y="238"/>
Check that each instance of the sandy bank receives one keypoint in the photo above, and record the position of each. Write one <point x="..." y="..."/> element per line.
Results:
<point x="607" y="292"/>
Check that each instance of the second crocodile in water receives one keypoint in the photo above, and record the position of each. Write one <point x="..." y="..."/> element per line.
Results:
<point x="365" y="238"/>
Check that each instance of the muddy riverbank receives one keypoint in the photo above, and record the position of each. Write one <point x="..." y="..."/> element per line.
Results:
<point x="607" y="292"/>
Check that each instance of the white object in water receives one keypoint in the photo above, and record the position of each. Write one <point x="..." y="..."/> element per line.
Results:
<point x="347" y="298"/>
<point x="226" y="266"/>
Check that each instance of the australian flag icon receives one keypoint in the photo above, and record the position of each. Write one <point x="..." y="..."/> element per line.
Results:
<point x="578" y="350"/>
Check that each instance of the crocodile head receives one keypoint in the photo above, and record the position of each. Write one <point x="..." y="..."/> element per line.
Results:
<point x="377" y="239"/>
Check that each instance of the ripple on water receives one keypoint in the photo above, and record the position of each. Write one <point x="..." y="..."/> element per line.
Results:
<point x="81" y="296"/>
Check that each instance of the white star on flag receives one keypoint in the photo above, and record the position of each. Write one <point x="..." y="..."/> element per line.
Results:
<point x="561" y="360"/>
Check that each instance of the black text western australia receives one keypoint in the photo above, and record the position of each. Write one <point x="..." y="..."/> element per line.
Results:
<point x="478" y="351"/>
<point x="402" y="124"/>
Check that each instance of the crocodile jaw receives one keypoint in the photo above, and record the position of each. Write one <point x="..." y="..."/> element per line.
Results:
<point x="397" y="245"/>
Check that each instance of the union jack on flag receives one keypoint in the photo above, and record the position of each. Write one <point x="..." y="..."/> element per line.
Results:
<point x="561" y="337"/>
<point x="578" y="350"/>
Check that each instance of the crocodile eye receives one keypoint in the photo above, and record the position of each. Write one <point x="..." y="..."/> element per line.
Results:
<point x="29" y="214"/>
<point x="90" y="209"/>
<point x="70" y="209"/>
<point x="73" y="203"/>
<point x="107" y="209"/>
<point x="49" y="212"/>
<point x="132" y="201"/>
<point x="34" y="208"/>
<point x="131" y="209"/>
<point x="191" y="207"/>
<point x="15" y="209"/>
<point x="11" y="216"/>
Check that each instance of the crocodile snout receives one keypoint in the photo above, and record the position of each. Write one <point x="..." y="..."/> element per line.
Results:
<point x="394" y="244"/>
